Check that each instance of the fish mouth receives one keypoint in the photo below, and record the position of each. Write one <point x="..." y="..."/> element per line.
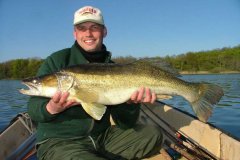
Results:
<point x="32" y="89"/>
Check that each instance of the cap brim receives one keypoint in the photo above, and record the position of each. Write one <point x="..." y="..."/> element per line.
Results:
<point x="88" y="20"/>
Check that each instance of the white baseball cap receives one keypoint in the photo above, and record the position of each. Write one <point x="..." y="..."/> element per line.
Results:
<point x="88" y="14"/>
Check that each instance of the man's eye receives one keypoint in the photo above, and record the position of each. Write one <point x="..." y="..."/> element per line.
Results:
<point x="91" y="28"/>
<point x="80" y="28"/>
<point x="94" y="28"/>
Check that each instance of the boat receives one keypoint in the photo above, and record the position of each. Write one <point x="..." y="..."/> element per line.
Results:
<point x="184" y="136"/>
<point x="17" y="141"/>
<point x="188" y="138"/>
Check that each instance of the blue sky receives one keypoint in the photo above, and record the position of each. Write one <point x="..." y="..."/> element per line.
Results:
<point x="138" y="28"/>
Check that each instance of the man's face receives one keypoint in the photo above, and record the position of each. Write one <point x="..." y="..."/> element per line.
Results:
<point x="90" y="36"/>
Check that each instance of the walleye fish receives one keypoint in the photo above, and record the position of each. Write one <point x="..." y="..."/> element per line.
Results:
<point x="96" y="85"/>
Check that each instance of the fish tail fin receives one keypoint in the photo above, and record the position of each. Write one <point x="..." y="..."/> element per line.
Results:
<point x="209" y="94"/>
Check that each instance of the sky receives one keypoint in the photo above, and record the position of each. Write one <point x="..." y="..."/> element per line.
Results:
<point x="139" y="28"/>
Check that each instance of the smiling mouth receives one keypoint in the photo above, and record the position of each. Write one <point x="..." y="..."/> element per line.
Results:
<point x="89" y="41"/>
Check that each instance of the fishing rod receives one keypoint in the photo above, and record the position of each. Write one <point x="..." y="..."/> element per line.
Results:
<point x="179" y="138"/>
<point x="181" y="150"/>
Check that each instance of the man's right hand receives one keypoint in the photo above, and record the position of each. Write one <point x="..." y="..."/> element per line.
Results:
<point x="59" y="103"/>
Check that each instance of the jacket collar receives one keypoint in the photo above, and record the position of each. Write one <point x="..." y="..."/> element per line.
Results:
<point x="77" y="56"/>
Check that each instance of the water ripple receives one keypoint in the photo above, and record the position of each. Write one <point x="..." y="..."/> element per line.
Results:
<point x="226" y="114"/>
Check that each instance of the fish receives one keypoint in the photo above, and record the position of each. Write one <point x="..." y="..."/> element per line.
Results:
<point x="97" y="85"/>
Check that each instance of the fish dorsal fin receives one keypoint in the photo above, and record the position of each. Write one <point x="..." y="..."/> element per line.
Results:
<point x="159" y="63"/>
<point x="65" y="82"/>
<point x="94" y="110"/>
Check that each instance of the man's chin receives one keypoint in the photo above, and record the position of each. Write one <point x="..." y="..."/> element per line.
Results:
<point x="91" y="49"/>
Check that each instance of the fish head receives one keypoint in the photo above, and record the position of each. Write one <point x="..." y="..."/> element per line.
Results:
<point x="44" y="86"/>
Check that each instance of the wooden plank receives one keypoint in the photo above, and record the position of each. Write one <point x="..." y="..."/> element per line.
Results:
<point x="209" y="138"/>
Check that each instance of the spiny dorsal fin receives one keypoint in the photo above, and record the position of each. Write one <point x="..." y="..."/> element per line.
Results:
<point x="159" y="63"/>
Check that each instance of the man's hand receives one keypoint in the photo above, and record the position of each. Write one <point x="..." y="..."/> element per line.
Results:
<point x="143" y="95"/>
<point x="59" y="103"/>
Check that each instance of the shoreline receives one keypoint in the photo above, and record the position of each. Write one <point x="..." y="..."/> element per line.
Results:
<point x="207" y="72"/>
<point x="180" y="72"/>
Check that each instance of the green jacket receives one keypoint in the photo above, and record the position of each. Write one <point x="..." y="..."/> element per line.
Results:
<point x="74" y="122"/>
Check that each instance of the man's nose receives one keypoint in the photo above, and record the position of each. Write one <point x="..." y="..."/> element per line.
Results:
<point x="88" y="31"/>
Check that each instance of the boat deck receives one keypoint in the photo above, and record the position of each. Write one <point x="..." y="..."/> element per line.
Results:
<point x="184" y="137"/>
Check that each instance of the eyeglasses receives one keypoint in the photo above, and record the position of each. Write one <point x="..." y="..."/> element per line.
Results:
<point x="93" y="28"/>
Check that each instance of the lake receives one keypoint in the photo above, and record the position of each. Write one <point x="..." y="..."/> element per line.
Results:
<point x="226" y="114"/>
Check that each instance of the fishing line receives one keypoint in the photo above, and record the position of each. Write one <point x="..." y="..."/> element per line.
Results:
<point x="183" y="138"/>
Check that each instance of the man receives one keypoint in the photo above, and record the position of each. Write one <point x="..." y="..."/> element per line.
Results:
<point x="65" y="131"/>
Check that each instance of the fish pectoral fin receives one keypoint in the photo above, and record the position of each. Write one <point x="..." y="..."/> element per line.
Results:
<point x="163" y="97"/>
<point x="95" y="110"/>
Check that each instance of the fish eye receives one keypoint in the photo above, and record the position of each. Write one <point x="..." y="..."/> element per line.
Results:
<point x="34" y="81"/>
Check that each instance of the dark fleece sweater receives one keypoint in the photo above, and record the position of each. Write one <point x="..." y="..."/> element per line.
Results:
<point x="75" y="122"/>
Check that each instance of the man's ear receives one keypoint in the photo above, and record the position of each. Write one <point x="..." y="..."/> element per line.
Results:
<point x="104" y="32"/>
<point x="74" y="34"/>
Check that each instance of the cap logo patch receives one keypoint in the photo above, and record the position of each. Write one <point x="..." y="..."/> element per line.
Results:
<point x="87" y="11"/>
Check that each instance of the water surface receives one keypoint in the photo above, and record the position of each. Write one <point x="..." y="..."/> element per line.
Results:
<point x="226" y="114"/>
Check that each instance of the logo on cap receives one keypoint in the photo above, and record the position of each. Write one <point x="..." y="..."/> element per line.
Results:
<point x="88" y="10"/>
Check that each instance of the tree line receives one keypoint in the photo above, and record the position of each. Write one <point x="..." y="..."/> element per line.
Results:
<point x="19" y="68"/>
<point x="213" y="61"/>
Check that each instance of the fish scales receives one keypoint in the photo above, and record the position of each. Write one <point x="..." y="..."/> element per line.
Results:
<point x="97" y="85"/>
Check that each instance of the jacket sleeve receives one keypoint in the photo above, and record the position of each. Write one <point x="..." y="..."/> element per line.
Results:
<point x="37" y="105"/>
<point x="125" y="115"/>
